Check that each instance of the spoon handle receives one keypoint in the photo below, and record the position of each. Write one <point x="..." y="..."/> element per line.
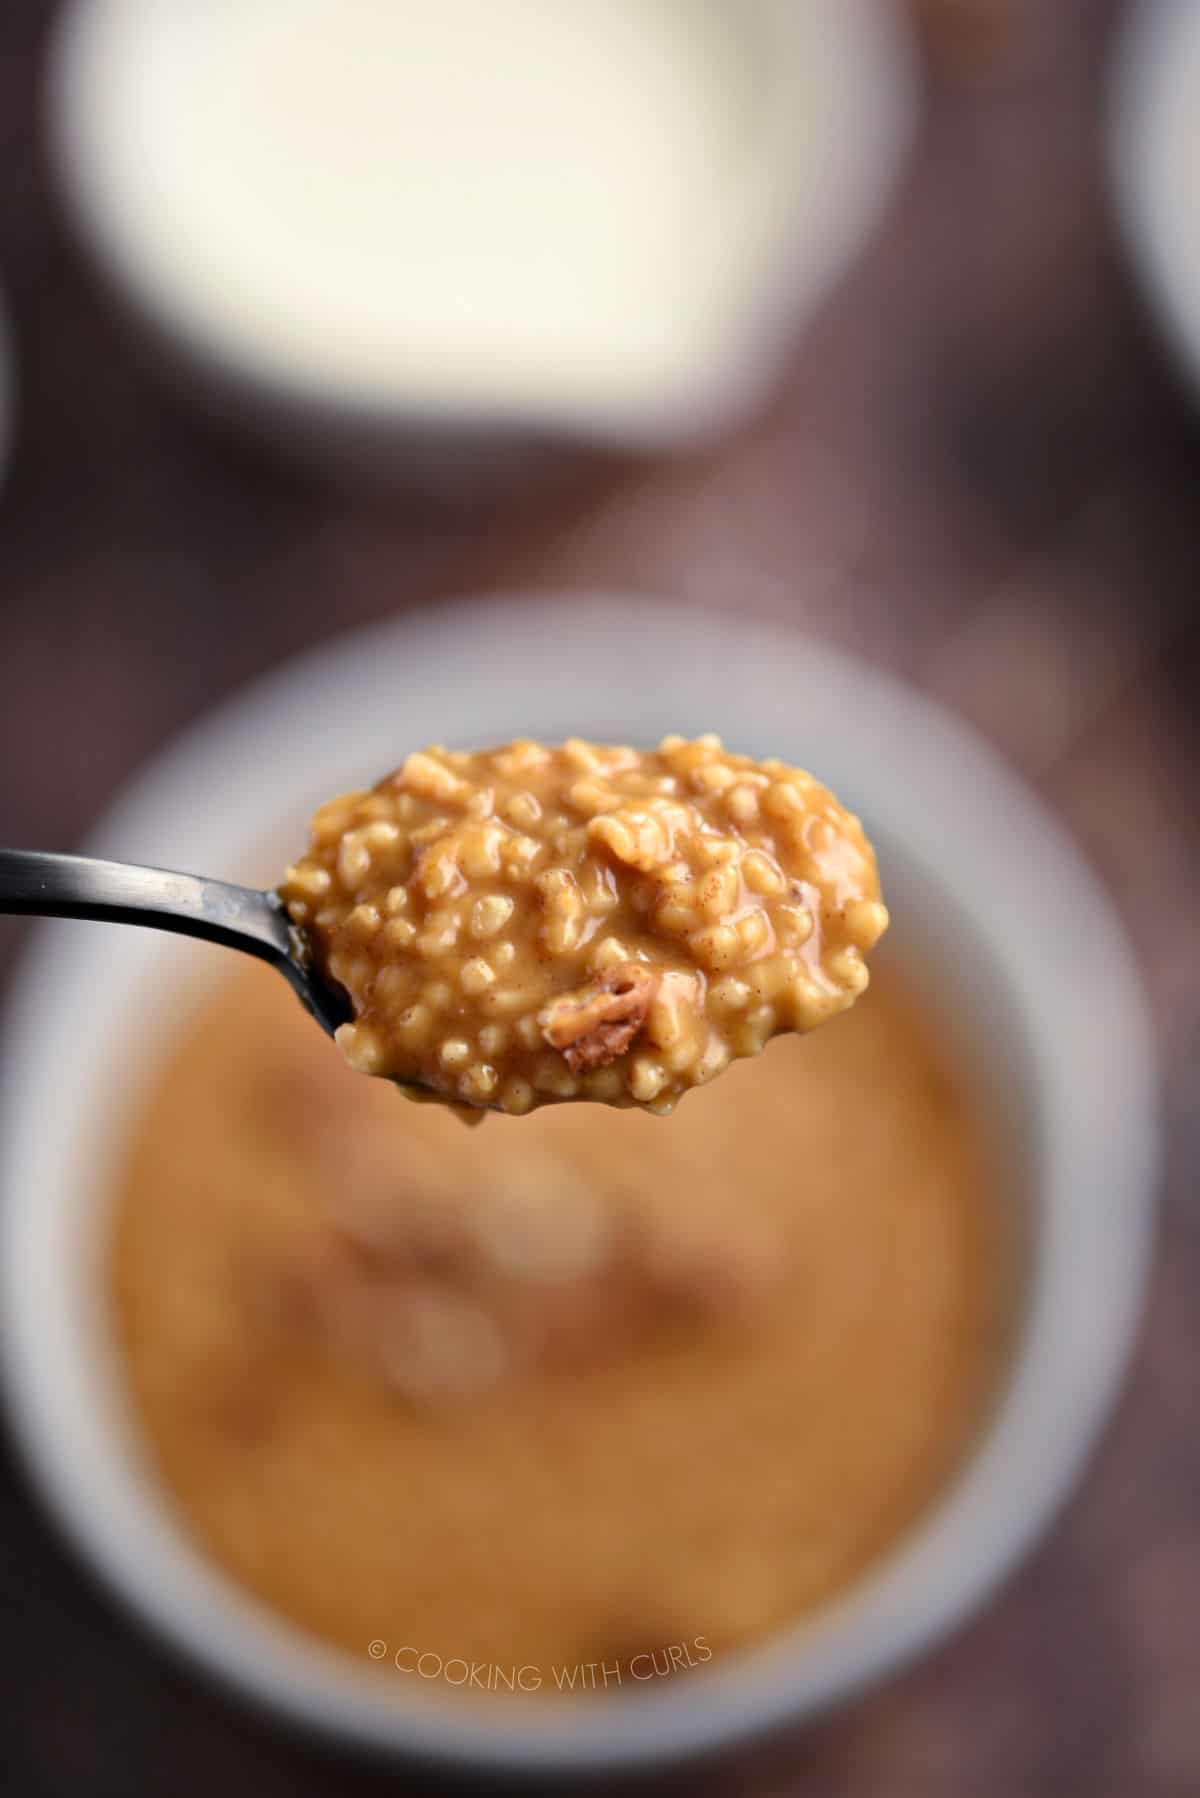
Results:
<point x="77" y="886"/>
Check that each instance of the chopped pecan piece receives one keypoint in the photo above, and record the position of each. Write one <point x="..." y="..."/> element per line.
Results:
<point x="595" y="1025"/>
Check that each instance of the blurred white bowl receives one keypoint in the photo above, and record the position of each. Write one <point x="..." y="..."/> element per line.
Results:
<point x="394" y="278"/>
<point x="1156" y="162"/>
<point x="1013" y="940"/>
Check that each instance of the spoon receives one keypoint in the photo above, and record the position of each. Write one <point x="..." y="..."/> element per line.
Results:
<point x="78" y="886"/>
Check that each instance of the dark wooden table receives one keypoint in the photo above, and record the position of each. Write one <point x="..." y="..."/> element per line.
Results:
<point x="978" y="471"/>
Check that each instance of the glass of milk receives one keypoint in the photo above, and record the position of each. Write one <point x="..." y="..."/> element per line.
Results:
<point x="385" y="223"/>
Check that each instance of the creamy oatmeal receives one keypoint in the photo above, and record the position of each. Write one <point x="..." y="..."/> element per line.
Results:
<point x="528" y="924"/>
<point x="572" y="1388"/>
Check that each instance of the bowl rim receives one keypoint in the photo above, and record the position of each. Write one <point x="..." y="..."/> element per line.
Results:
<point x="1096" y="1200"/>
<point x="862" y="167"/>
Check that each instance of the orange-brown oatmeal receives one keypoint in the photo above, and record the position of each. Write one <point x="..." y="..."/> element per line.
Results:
<point x="521" y="925"/>
<point x="573" y="1388"/>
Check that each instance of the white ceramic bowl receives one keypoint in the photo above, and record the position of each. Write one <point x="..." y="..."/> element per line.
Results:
<point x="1037" y="985"/>
<point x="822" y="100"/>
<point x="1156" y="162"/>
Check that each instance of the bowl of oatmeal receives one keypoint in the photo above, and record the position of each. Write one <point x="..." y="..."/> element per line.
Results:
<point x="589" y="1438"/>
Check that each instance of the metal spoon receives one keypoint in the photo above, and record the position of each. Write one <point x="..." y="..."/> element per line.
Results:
<point x="76" y="886"/>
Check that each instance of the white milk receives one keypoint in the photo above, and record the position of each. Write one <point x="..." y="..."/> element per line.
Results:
<point x="476" y="207"/>
<point x="457" y="197"/>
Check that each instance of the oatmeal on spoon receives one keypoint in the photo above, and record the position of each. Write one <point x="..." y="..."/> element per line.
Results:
<point x="528" y="924"/>
<point x="500" y="929"/>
